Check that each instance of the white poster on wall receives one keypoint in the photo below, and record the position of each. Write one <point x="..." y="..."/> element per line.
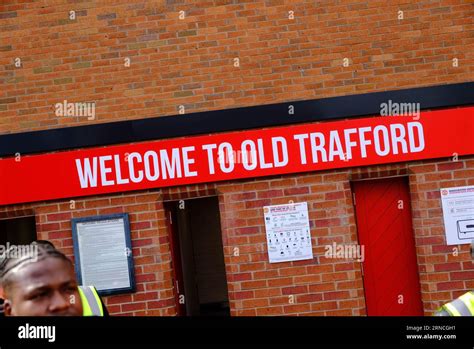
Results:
<point x="458" y="214"/>
<point x="288" y="233"/>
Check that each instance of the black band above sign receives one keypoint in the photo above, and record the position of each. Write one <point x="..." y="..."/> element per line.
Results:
<point x="129" y="131"/>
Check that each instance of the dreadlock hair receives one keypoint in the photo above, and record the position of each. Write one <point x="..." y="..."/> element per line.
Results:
<point x="39" y="251"/>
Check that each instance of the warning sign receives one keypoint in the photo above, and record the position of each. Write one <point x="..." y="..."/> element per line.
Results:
<point x="458" y="214"/>
<point x="288" y="233"/>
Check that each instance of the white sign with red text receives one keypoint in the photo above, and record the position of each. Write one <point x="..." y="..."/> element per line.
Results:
<point x="288" y="232"/>
<point x="458" y="214"/>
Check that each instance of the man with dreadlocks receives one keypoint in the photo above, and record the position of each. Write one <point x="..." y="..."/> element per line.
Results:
<point x="43" y="284"/>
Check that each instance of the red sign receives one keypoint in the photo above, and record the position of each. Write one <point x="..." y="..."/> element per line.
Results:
<point x="246" y="154"/>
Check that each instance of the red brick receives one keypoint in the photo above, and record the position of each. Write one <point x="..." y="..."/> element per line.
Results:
<point x="447" y="267"/>
<point x="145" y="277"/>
<point x="257" y="203"/>
<point x="294" y="290"/>
<point x="290" y="77"/>
<point x="334" y="195"/>
<point x="454" y="285"/>
<point x="250" y="285"/>
<point x="450" y="166"/>
<point x="160" y="304"/>
<point x="134" y="306"/>
<point x="296" y="191"/>
<point x="119" y="299"/>
<point x="255" y="303"/>
<point x="462" y="275"/>
<point x="280" y="282"/>
<point x="267" y="311"/>
<point x="59" y="235"/>
<point x="145" y="296"/>
<point x="329" y="296"/>
<point x="297" y="308"/>
<point x="246" y="312"/>
<point x="308" y="298"/>
<point x="323" y="306"/>
<point x="242" y="276"/>
<point x="140" y="225"/>
<point x="433" y="240"/>
<point x="327" y="222"/>
<point x="49" y="227"/>
<point x="142" y="242"/>
<point x="442" y="249"/>
<point x="55" y="217"/>
<point x="468" y="265"/>
<point x="247" y="231"/>
<point x="251" y="267"/>
<point x="433" y="194"/>
<point x="270" y="194"/>
<point x="243" y="196"/>
<point x="242" y="295"/>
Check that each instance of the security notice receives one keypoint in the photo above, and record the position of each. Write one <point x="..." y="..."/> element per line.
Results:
<point x="288" y="233"/>
<point x="458" y="214"/>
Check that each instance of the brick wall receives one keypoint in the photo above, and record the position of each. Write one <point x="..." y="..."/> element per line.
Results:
<point x="327" y="286"/>
<point x="190" y="61"/>
<point x="445" y="271"/>
<point x="316" y="287"/>
<point x="155" y="295"/>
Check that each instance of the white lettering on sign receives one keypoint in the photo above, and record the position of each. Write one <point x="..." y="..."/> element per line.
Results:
<point x="347" y="140"/>
<point x="188" y="161"/>
<point x="250" y="155"/>
<point x="150" y="160"/>
<point x="280" y="151"/>
<point x="135" y="176"/>
<point x="238" y="155"/>
<point x="87" y="175"/>
<point x="172" y="166"/>
<point x="104" y="170"/>
<point x="120" y="180"/>
<point x="258" y="154"/>
<point x="151" y="166"/>
<point x="385" y="140"/>
<point x="210" y="156"/>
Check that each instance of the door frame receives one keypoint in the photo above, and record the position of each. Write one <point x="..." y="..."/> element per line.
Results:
<point x="175" y="249"/>
<point x="171" y="208"/>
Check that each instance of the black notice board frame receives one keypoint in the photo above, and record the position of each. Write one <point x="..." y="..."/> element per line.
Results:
<point x="127" y="253"/>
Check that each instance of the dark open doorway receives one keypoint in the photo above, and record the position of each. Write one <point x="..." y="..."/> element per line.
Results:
<point x="198" y="257"/>
<point x="17" y="231"/>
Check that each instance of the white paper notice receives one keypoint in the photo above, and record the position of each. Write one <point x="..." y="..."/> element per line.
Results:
<point x="102" y="247"/>
<point x="288" y="234"/>
<point x="458" y="214"/>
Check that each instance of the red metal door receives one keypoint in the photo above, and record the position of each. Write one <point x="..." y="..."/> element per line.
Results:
<point x="391" y="281"/>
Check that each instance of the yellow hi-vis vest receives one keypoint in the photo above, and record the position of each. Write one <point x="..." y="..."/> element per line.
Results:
<point x="91" y="303"/>
<point x="462" y="306"/>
